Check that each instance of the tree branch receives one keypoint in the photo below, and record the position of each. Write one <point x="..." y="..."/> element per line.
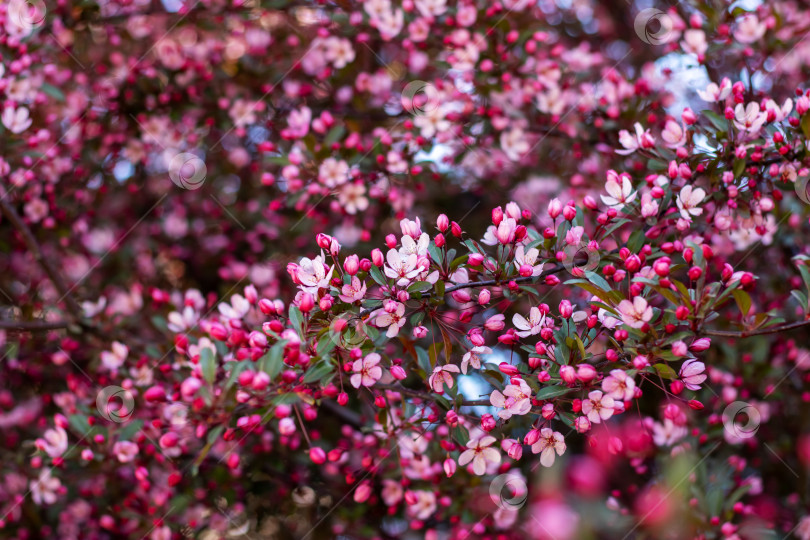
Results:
<point x="33" y="326"/>
<point x="36" y="251"/>
<point x="426" y="395"/>
<point x="746" y="333"/>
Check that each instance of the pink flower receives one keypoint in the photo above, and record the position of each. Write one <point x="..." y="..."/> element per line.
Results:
<point x="516" y="399"/>
<point x="531" y="327"/>
<point x="598" y="407"/>
<point x="473" y="358"/>
<point x="394" y="320"/>
<point x="16" y="120"/>
<point x="692" y="374"/>
<point x="54" y="442"/>
<point x="441" y="376"/>
<point x="424" y="506"/>
<point x="480" y="454"/>
<point x="619" y="385"/>
<point x="549" y="443"/>
<point x="505" y="233"/>
<point x="45" y="488"/>
<point x="125" y="451"/>
<point x="495" y="323"/>
<point x="354" y="291"/>
<point x="636" y="313"/>
<point x="366" y="371"/>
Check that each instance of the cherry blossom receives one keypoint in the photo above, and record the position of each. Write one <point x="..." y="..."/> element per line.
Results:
<point x="366" y="371"/>
<point x="479" y="453"/>
<point x="550" y="443"/>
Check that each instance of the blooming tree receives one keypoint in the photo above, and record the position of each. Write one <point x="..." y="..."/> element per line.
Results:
<point x="398" y="269"/>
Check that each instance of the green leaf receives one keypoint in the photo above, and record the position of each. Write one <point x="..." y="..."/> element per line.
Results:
<point x="296" y="318"/>
<point x="717" y="121"/>
<point x="743" y="301"/>
<point x="272" y="361"/>
<point x="52" y="91"/>
<point x="552" y="391"/>
<point x="208" y="364"/>
<point x="318" y="372"/>
<point x="377" y="275"/>
<point x="334" y="135"/>
<point x="129" y="430"/>
<point x="665" y="371"/>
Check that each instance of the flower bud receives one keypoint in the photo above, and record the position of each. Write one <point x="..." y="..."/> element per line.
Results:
<point x="317" y="455"/>
<point x="442" y="222"/>
<point x="377" y="257"/>
<point x="352" y="264"/>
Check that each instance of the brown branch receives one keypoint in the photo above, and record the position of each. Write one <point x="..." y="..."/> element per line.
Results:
<point x="36" y="251"/>
<point x="749" y="333"/>
<point x="33" y="326"/>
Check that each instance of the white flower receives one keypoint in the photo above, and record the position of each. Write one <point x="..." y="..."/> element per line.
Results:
<point x="668" y="433"/>
<point x="749" y="118"/>
<point x="412" y="247"/>
<point x="714" y="93"/>
<point x="549" y="443"/>
<point x="689" y="200"/>
<point x="694" y="41"/>
<point x="313" y="274"/>
<point x="45" y="488"/>
<point x="112" y="360"/>
<point x="403" y="269"/>
<point x="528" y="258"/>
<point x="479" y="453"/>
<point x="618" y="195"/>
<point x="54" y="442"/>
<point x="180" y="322"/>
<point x="632" y="142"/>
<point x="16" y="120"/>
<point x="352" y="198"/>
<point x="333" y="172"/>
<point x="749" y="29"/>
<point x="514" y="144"/>
<point x="531" y="327"/>
<point x="674" y="135"/>
<point x="237" y="309"/>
